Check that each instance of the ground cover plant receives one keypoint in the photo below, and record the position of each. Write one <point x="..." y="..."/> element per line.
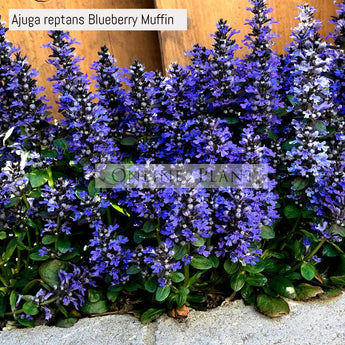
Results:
<point x="71" y="249"/>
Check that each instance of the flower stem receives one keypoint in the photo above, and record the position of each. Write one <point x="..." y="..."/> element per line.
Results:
<point x="19" y="311"/>
<point x="293" y="229"/>
<point x="321" y="243"/>
<point x="3" y="281"/>
<point x="309" y="256"/>
<point x="4" y="276"/>
<point x="18" y="260"/>
<point x="186" y="268"/>
<point x="26" y="202"/>
<point x="29" y="238"/>
<point x="208" y="242"/>
<point x="58" y="224"/>
<point x="109" y="218"/>
<point x="50" y="176"/>
<point x="158" y="231"/>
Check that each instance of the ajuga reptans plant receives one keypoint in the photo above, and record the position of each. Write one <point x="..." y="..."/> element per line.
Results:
<point x="70" y="248"/>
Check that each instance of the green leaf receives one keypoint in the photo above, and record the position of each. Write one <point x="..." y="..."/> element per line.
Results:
<point x="237" y="281"/>
<point x="48" y="239"/>
<point x="300" y="183"/>
<point x="182" y="294"/>
<point x="195" y="277"/>
<point x="134" y="269"/>
<point x="298" y="250"/>
<point x="120" y="209"/>
<point x="128" y="141"/>
<point x="308" y="214"/>
<point x="139" y="236"/>
<point x="62" y="309"/>
<point x="201" y="263"/>
<point x="78" y="193"/>
<point x="149" y="226"/>
<point x="131" y="286"/>
<point x="338" y="280"/>
<point x="331" y="293"/>
<point x="26" y="323"/>
<point x="162" y="293"/>
<point x="91" y="188"/>
<point x="84" y="162"/>
<point x="292" y="211"/>
<point x="3" y="235"/>
<point x="66" y="323"/>
<point x="110" y="176"/>
<point x="31" y="223"/>
<point x="38" y="178"/>
<point x="271" y="265"/>
<point x="288" y="145"/>
<point x="49" y="153"/>
<point x="281" y="111"/>
<point x="330" y="250"/>
<point x="337" y="229"/>
<point x="30" y="308"/>
<point x="177" y="277"/>
<point x="199" y="243"/>
<point x="292" y="275"/>
<point x="151" y="314"/>
<point x="231" y="267"/>
<point x="151" y="284"/>
<point x="267" y="232"/>
<point x="13" y="202"/>
<point x="282" y="286"/>
<point x="10" y="248"/>
<point x="63" y="245"/>
<point x="247" y="292"/>
<point x="30" y="285"/>
<point x="13" y="300"/>
<point x="272" y="306"/>
<point x="180" y="252"/>
<point x="319" y="126"/>
<point x="195" y="299"/>
<point x="308" y="271"/>
<point x="95" y="295"/>
<point x="214" y="260"/>
<point x="292" y="99"/>
<point x="232" y="120"/>
<point x="272" y="135"/>
<point x="309" y="235"/>
<point x="61" y="143"/>
<point x="49" y="271"/>
<point x="257" y="268"/>
<point x="256" y="280"/>
<point x="21" y="245"/>
<point x="113" y="292"/>
<point x="95" y="308"/>
<point x="306" y="291"/>
<point x="37" y="257"/>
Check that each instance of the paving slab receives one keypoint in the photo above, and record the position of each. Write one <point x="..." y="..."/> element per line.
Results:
<point x="309" y="323"/>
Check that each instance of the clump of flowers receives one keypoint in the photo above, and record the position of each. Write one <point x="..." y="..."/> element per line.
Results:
<point x="110" y="92"/>
<point x="318" y="147"/>
<point x="89" y="137"/>
<point x="108" y="255"/>
<point x="73" y="244"/>
<point x="308" y="85"/>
